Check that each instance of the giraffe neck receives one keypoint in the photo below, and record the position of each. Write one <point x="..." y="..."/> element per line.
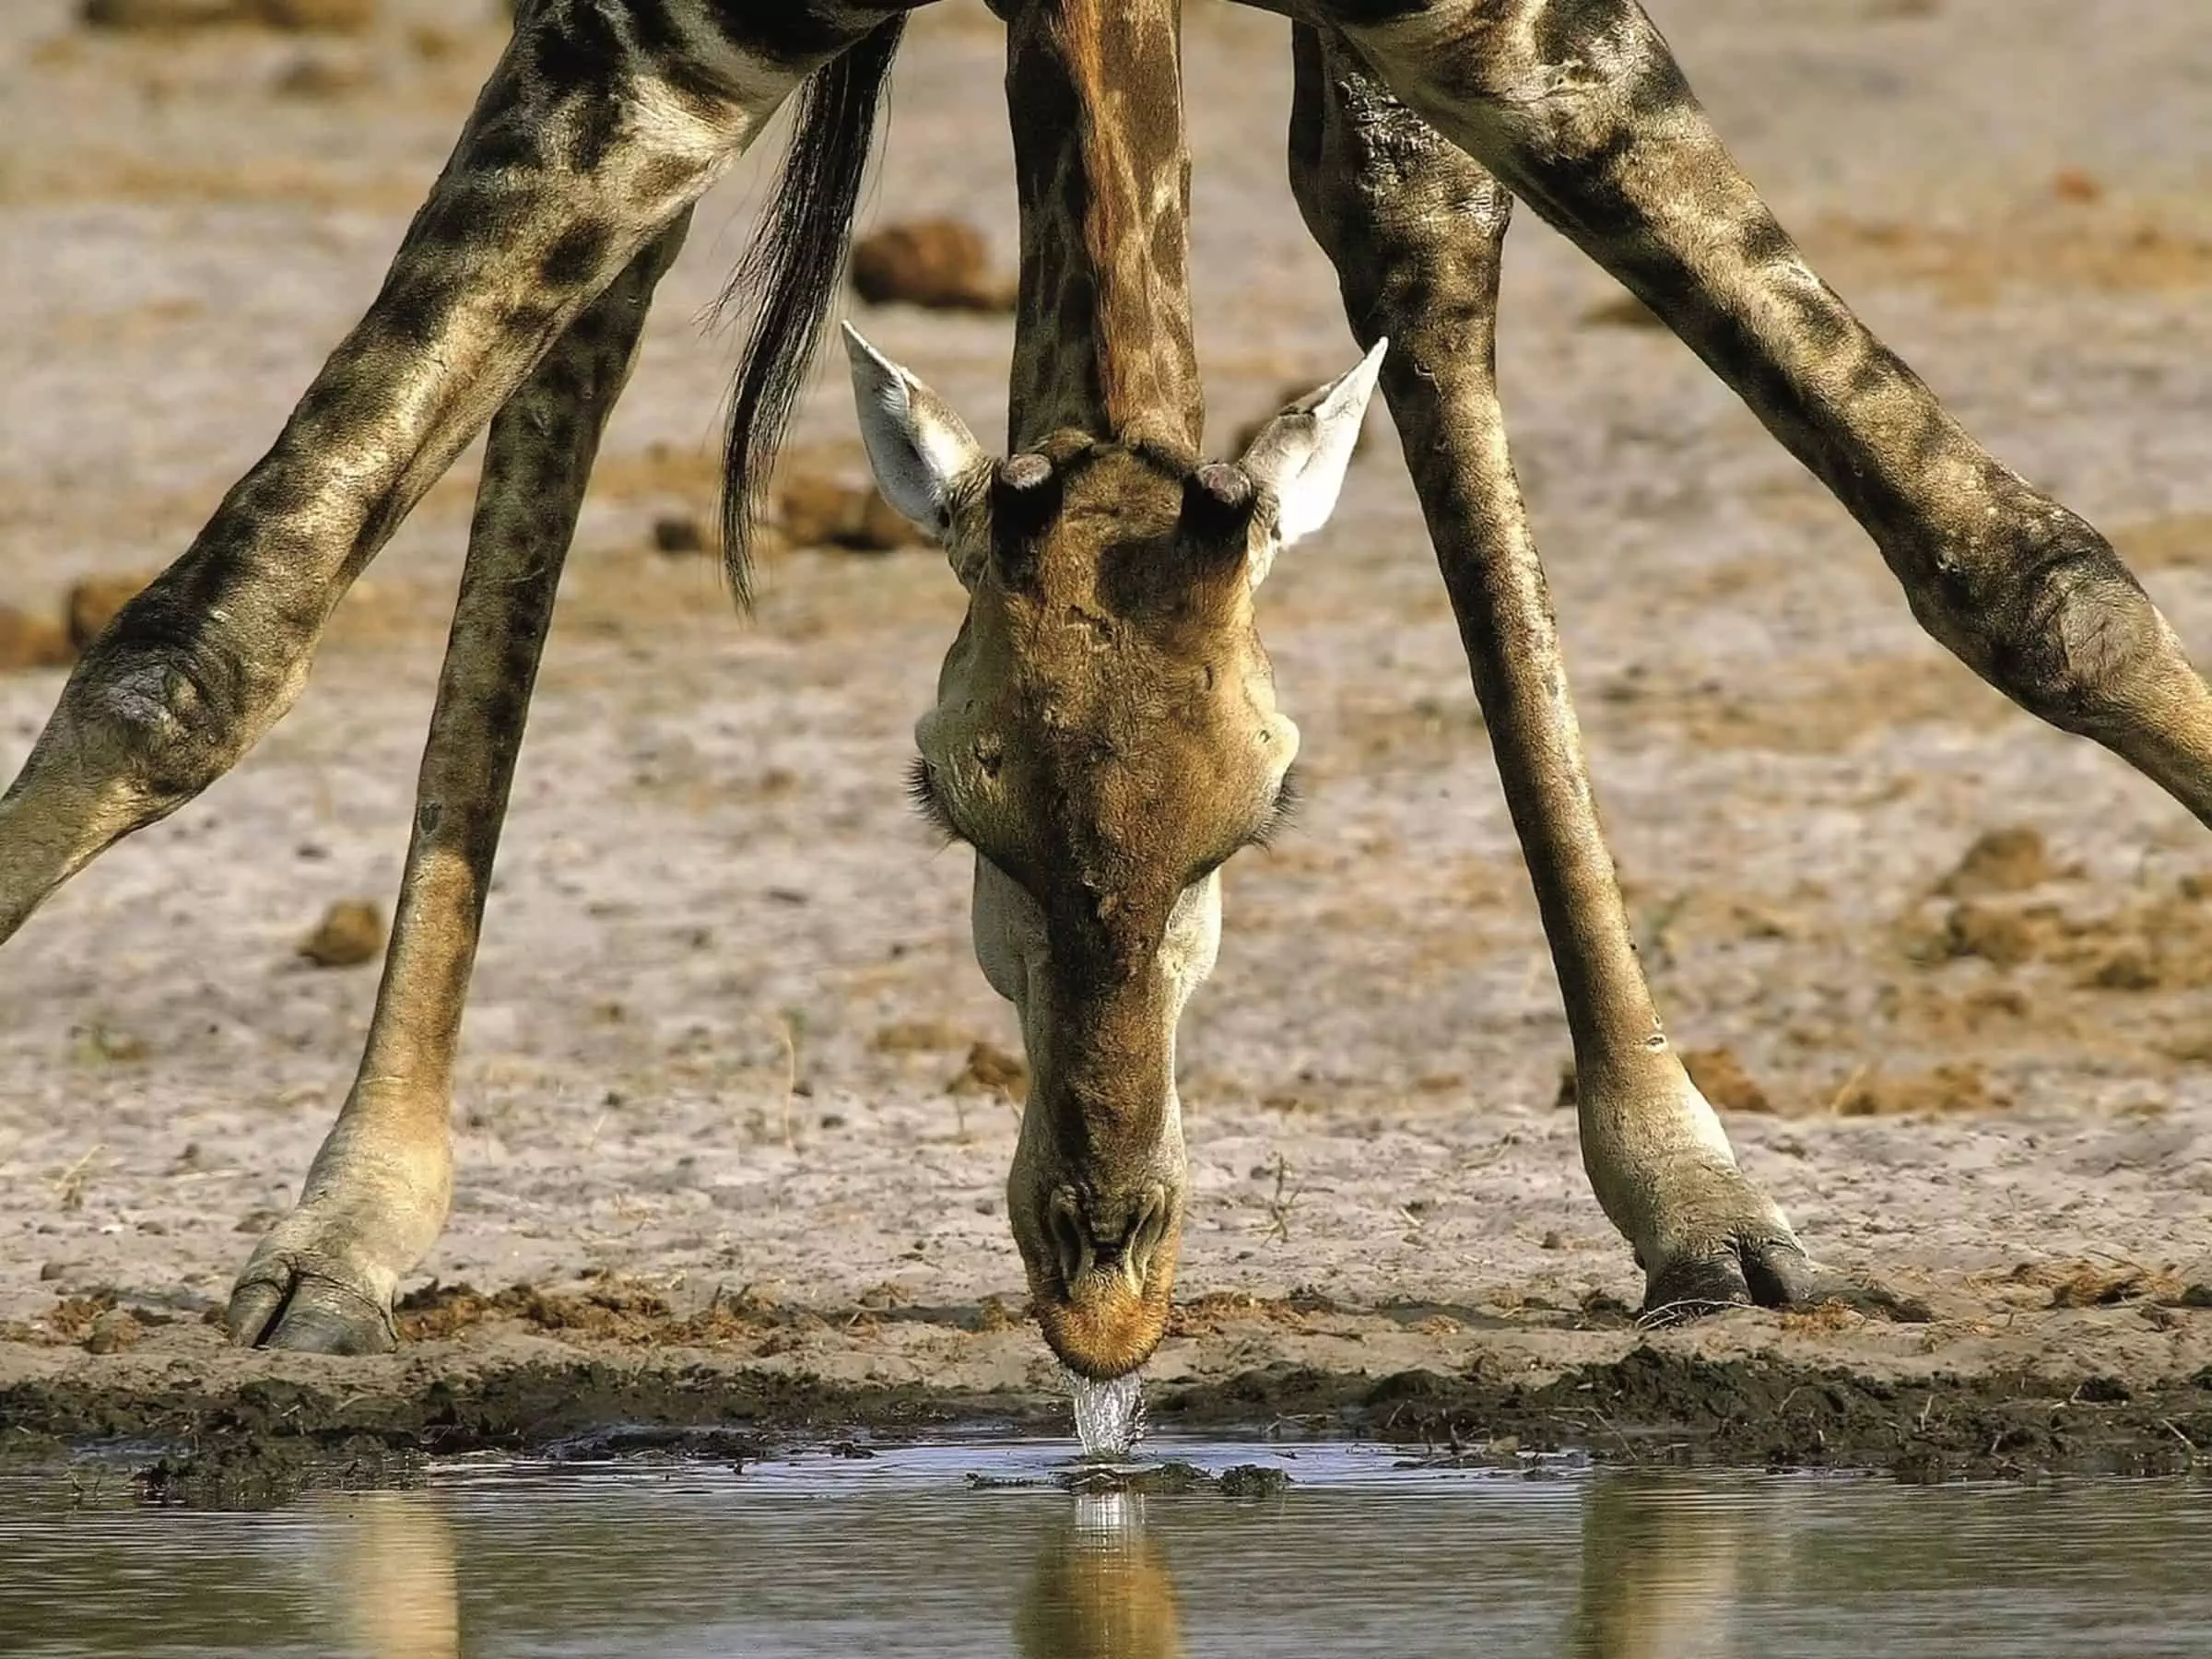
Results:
<point x="1102" y="334"/>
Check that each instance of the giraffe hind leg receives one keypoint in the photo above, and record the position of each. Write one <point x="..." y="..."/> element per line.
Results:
<point x="1416" y="229"/>
<point x="584" y="145"/>
<point x="377" y="1194"/>
<point x="1579" y="107"/>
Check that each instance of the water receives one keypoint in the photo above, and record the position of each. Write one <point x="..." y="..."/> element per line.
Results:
<point x="1110" y="1417"/>
<point x="901" y="1555"/>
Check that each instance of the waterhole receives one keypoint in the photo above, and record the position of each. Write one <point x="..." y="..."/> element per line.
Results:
<point x="989" y="1547"/>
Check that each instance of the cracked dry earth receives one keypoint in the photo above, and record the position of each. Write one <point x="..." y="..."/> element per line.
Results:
<point x="1945" y="969"/>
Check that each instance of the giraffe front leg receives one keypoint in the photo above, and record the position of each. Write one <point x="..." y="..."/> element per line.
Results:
<point x="580" y="148"/>
<point x="1580" y="108"/>
<point x="1416" y="228"/>
<point x="376" y="1197"/>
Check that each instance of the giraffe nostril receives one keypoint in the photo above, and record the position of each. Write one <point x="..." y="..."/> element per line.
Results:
<point x="1151" y="1225"/>
<point x="1071" y="1239"/>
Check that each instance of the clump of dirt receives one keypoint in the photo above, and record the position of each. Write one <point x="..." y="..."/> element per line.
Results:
<point x="1210" y="1315"/>
<point x="2160" y="940"/>
<point x="818" y="511"/>
<point x="990" y="1069"/>
<point x="29" y="642"/>
<point x="614" y="1310"/>
<point x="2008" y="860"/>
<point x="351" y="933"/>
<point x="2111" y="1284"/>
<point x="114" y="1331"/>
<point x="1958" y="1088"/>
<point x="70" y="1322"/>
<point x="940" y="265"/>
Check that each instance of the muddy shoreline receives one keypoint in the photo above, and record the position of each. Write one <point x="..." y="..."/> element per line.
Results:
<point x="1949" y="973"/>
<point x="194" y="1421"/>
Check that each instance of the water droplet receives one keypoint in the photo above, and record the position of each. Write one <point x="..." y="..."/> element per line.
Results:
<point x="1110" y="1417"/>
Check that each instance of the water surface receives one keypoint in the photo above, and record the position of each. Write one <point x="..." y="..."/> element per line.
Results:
<point x="904" y="1554"/>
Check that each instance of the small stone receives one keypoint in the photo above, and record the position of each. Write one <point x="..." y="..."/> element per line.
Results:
<point x="51" y="1271"/>
<point x="1553" y="1239"/>
<point x="112" y="1331"/>
<point x="351" y="933"/>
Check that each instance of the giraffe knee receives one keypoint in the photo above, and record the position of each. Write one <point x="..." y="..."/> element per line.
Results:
<point x="172" y="695"/>
<point x="2056" y="622"/>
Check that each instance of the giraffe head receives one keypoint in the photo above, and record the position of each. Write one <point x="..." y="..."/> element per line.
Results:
<point x="1105" y="737"/>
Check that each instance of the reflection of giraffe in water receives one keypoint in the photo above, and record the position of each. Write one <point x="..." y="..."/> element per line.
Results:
<point x="1106" y="733"/>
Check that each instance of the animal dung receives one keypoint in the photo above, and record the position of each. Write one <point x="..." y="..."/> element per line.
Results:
<point x="940" y="265"/>
<point x="351" y="933"/>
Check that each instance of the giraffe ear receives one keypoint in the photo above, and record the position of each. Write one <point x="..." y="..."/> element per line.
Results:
<point x="1302" y="452"/>
<point x="917" y="447"/>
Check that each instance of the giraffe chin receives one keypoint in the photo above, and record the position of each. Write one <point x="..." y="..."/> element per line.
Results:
<point x="1105" y="1327"/>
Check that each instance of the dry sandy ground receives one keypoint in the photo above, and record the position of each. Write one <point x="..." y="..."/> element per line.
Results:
<point x="1970" y="1093"/>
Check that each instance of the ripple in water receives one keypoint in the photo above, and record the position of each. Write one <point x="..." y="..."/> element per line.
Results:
<point x="1110" y="1417"/>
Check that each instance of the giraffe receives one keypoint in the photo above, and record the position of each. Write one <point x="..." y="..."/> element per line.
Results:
<point x="1105" y="731"/>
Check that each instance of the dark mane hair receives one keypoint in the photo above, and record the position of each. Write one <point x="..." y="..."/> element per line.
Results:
<point x="792" y="273"/>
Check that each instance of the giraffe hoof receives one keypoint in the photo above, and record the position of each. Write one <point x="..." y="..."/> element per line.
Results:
<point x="307" y="1312"/>
<point x="1767" y="1272"/>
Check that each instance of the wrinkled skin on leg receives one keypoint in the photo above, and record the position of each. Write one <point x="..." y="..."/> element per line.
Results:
<point x="1106" y="737"/>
